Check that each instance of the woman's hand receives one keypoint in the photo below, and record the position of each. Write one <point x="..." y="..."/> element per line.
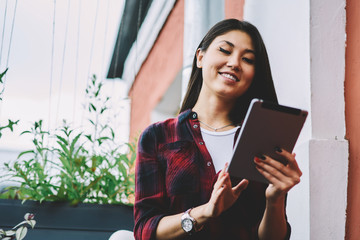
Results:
<point x="223" y="195"/>
<point x="281" y="177"/>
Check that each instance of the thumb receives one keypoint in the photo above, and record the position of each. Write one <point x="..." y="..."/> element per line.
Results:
<point x="241" y="186"/>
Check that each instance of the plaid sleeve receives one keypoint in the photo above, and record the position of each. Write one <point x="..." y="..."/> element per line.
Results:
<point x="150" y="199"/>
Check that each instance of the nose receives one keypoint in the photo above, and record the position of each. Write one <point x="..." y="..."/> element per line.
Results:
<point x="234" y="63"/>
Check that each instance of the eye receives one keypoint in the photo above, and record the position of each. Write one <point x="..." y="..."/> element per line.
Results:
<point x="248" y="60"/>
<point x="224" y="51"/>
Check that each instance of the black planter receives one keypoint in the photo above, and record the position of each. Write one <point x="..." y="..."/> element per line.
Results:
<point x="59" y="221"/>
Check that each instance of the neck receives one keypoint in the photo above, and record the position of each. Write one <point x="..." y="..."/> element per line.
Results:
<point x="213" y="111"/>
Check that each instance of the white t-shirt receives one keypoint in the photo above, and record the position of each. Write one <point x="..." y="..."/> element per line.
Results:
<point x="220" y="146"/>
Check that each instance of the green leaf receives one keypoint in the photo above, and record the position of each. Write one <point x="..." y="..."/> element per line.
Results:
<point x="112" y="133"/>
<point x="72" y="146"/>
<point x="89" y="137"/>
<point x="25" y="132"/>
<point x="102" y="139"/>
<point x="103" y="110"/>
<point x="3" y="74"/>
<point x="63" y="144"/>
<point x="92" y="106"/>
<point x="66" y="164"/>
<point x="25" y="152"/>
<point x="63" y="140"/>
<point x="38" y="124"/>
<point x="11" y="124"/>
<point x="98" y="91"/>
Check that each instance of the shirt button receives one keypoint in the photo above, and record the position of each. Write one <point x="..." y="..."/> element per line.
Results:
<point x="201" y="143"/>
<point x="194" y="115"/>
<point x="195" y="126"/>
<point x="208" y="164"/>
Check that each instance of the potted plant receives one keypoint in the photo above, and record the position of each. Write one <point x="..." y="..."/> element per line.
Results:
<point x="79" y="182"/>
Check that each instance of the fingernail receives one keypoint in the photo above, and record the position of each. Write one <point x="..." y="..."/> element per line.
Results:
<point x="262" y="157"/>
<point x="277" y="149"/>
<point x="257" y="160"/>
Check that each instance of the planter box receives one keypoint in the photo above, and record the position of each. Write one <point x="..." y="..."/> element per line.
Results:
<point x="57" y="221"/>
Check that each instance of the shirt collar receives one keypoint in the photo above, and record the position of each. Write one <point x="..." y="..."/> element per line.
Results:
<point x="187" y="114"/>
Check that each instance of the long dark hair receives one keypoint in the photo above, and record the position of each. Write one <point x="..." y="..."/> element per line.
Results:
<point x="262" y="85"/>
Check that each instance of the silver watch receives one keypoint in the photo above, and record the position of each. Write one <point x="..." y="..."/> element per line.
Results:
<point x="188" y="222"/>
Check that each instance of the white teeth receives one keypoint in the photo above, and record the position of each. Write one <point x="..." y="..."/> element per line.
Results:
<point x="229" y="76"/>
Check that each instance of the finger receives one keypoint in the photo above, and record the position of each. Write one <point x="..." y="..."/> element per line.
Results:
<point x="241" y="186"/>
<point x="219" y="186"/>
<point x="277" y="177"/>
<point x="270" y="176"/>
<point x="222" y="174"/>
<point x="290" y="158"/>
<point x="277" y="170"/>
<point x="216" y="195"/>
<point x="272" y="165"/>
<point x="281" y="185"/>
<point x="288" y="170"/>
<point x="227" y="179"/>
<point x="223" y="171"/>
<point x="268" y="172"/>
<point x="220" y="182"/>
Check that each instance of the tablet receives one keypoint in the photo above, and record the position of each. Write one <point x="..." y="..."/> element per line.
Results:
<point x="266" y="126"/>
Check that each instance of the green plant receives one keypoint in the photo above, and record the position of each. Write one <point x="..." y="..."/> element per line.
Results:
<point x="2" y="83"/>
<point x="2" y="89"/>
<point x="80" y="166"/>
<point x="19" y="231"/>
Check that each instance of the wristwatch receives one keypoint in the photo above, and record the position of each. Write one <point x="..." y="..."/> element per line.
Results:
<point x="188" y="223"/>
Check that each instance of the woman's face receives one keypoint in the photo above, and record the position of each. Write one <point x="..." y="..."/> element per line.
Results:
<point x="228" y="65"/>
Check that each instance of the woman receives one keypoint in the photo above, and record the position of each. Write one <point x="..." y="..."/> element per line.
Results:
<point x="183" y="190"/>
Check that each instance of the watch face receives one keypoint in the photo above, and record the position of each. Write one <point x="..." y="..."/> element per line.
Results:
<point x="187" y="225"/>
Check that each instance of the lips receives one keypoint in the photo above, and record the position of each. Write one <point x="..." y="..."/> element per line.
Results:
<point x="230" y="76"/>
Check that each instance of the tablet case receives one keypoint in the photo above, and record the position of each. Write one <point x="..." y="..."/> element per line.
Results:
<point x="266" y="126"/>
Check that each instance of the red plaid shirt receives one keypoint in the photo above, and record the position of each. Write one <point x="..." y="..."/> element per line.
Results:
<point x="174" y="172"/>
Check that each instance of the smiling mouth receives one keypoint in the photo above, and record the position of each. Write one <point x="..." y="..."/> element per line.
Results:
<point x="230" y="76"/>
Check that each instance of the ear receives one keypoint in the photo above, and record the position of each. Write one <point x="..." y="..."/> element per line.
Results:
<point x="199" y="57"/>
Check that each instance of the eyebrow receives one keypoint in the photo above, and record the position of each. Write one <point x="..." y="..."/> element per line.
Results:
<point x="232" y="45"/>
